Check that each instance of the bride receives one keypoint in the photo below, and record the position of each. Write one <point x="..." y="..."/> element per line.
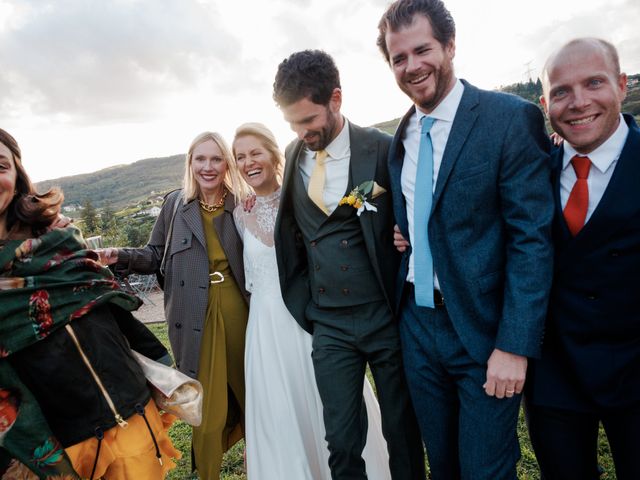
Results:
<point x="284" y="427"/>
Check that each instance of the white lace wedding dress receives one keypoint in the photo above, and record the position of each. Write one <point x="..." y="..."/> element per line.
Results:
<point x="283" y="411"/>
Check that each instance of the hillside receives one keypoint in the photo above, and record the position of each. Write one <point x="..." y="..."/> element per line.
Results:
<point x="125" y="185"/>
<point x="121" y="185"/>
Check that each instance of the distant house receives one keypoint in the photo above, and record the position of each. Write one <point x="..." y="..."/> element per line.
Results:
<point x="153" y="211"/>
<point x="71" y="208"/>
<point x="632" y="81"/>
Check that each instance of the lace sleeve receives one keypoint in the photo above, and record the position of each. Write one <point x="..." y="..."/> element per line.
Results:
<point x="239" y="219"/>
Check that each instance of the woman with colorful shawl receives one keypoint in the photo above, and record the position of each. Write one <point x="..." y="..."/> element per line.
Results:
<point x="69" y="384"/>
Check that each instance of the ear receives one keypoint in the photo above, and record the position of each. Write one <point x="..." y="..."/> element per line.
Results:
<point x="335" y="102"/>
<point x="450" y="48"/>
<point x="545" y="107"/>
<point x="622" y="84"/>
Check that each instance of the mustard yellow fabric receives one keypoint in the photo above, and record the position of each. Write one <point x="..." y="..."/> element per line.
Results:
<point x="221" y="368"/>
<point x="128" y="453"/>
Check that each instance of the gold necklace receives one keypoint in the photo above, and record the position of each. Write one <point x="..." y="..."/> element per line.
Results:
<point x="212" y="208"/>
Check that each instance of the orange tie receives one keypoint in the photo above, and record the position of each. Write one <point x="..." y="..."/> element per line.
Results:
<point x="575" y="211"/>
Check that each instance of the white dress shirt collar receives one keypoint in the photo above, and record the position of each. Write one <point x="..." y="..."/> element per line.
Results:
<point x="606" y="154"/>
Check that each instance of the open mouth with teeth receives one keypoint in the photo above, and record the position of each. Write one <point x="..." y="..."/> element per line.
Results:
<point x="419" y="79"/>
<point x="254" y="173"/>
<point x="582" y="121"/>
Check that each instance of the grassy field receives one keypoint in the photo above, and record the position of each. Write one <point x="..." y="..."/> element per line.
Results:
<point x="232" y="465"/>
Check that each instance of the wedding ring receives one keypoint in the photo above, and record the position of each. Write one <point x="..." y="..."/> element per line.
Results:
<point x="510" y="391"/>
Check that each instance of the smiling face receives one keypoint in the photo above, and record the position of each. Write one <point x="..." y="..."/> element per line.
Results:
<point x="316" y="125"/>
<point x="256" y="164"/>
<point x="583" y="95"/>
<point x="209" y="167"/>
<point x="422" y="66"/>
<point x="8" y="177"/>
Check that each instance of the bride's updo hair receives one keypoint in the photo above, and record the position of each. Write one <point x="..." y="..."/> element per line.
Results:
<point x="268" y="141"/>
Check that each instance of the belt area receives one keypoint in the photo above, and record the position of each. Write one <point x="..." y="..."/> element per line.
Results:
<point x="438" y="299"/>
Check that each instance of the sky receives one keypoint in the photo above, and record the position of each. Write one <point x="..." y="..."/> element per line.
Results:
<point x="89" y="84"/>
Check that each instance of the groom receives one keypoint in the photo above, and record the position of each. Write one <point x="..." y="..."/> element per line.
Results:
<point x="337" y="265"/>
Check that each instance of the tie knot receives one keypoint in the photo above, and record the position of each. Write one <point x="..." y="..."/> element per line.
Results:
<point x="321" y="156"/>
<point x="427" y="123"/>
<point x="581" y="165"/>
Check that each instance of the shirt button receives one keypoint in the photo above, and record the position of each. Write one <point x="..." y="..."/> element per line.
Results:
<point x="344" y="268"/>
<point x="344" y="243"/>
<point x="321" y="290"/>
<point x="345" y="291"/>
<point x="592" y="296"/>
<point x="178" y="325"/>
<point x="317" y="267"/>
<point x="313" y="243"/>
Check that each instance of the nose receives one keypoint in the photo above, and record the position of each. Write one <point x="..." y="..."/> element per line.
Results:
<point x="580" y="99"/>
<point x="412" y="63"/>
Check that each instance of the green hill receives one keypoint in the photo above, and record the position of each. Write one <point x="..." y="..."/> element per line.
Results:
<point x="121" y="185"/>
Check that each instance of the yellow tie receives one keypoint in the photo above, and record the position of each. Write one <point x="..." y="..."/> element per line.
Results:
<point x="316" y="181"/>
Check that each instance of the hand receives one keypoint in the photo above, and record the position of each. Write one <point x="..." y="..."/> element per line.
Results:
<point x="556" y="139"/>
<point x="108" y="256"/>
<point x="398" y="240"/>
<point x="249" y="202"/>
<point x="61" y="221"/>
<point x="506" y="373"/>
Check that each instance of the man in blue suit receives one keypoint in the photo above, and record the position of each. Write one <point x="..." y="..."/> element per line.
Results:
<point x="589" y="371"/>
<point x="473" y="195"/>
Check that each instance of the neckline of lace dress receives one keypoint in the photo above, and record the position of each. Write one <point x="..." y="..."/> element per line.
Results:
<point x="268" y="198"/>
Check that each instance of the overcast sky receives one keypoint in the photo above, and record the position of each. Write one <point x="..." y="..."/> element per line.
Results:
<point x="88" y="84"/>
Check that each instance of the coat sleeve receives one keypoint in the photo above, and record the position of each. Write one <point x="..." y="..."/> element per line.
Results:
<point x="526" y="204"/>
<point x="146" y="260"/>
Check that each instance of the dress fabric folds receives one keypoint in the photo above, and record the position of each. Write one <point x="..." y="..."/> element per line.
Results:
<point x="285" y="436"/>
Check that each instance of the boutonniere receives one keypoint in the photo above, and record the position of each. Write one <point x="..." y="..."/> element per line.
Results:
<point x="357" y="198"/>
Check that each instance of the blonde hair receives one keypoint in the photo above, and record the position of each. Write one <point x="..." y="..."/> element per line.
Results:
<point x="232" y="180"/>
<point x="268" y="141"/>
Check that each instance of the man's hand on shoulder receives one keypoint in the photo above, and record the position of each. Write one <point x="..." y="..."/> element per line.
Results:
<point x="506" y="374"/>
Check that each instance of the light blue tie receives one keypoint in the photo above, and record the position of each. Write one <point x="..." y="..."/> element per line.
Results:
<point x="423" y="198"/>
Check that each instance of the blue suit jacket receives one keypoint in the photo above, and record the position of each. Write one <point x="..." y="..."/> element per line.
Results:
<point x="591" y="352"/>
<point x="490" y="224"/>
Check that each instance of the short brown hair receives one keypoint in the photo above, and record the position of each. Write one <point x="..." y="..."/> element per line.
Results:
<point x="401" y="14"/>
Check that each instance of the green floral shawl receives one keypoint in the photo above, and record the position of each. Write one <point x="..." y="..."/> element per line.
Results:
<point x="45" y="283"/>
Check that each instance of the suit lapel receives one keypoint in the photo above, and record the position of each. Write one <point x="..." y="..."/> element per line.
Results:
<point x="396" y="158"/>
<point x="463" y="122"/>
<point x="362" y="164"/>
<point x="191" y="215"/>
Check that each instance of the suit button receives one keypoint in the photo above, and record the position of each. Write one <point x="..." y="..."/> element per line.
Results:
<point x="178" y="325"/>
<point x="344" y="243"/>
<point x="184" y="241"/>
<point x="321" y="290"/>
<point x="182" y="283"/>
<point x="592" y="296"/>
<point x="344" y="268"/>
<point x="345" y="291"/>
<point x="313" y="243"/>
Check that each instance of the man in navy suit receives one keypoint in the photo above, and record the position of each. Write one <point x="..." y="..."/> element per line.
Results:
<point x="589" y="371"/>
<point x="473" y="311"/>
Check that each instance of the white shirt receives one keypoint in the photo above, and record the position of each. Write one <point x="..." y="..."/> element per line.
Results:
<point x="444" y="114"/>
<point x="336" y="168"/>
<point x="603" y="163"/>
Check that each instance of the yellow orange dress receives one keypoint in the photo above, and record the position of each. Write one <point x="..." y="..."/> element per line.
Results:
<point x="221" y="367"/>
